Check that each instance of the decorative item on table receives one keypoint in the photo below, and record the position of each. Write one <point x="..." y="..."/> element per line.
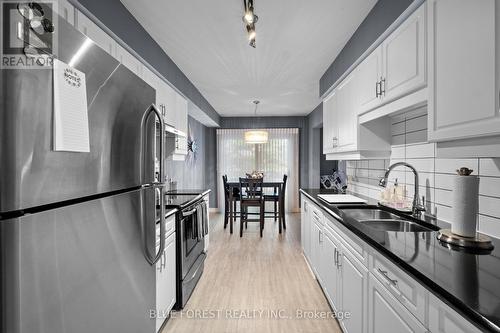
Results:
<point x="465" y="203"/>
<point x="396" y="196"/>
<point x="256" y="175"/>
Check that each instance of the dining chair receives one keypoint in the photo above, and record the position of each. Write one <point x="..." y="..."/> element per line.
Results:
<point x="279" y="202"/>
<point x="230" y="200"/>
<point x="251" y="196"/>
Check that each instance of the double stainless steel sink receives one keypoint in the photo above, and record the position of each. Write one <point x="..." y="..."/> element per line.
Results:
<point x="382" y="220"/>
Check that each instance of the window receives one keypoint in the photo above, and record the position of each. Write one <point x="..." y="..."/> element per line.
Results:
<point x="279" y="156"/>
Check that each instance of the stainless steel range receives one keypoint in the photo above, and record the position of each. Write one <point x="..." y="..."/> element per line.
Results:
<point x="192" y="227"/>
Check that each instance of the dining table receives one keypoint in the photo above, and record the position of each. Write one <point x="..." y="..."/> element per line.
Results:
<point x="276" y="185"/>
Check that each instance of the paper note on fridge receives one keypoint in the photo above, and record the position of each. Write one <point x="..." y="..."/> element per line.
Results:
<point x="71" y="123"/>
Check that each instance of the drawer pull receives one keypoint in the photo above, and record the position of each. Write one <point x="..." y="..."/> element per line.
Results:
<point x="394" y="282"/>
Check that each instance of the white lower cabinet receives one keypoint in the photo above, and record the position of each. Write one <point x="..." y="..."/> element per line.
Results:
<point x="331" y="271"/>
<point x="165" y="280"/>
<point x="354" y="288"/>
<point x="378" y="296"/>
<point x="305" y="229"/>
<point x="316" y="248"/>
<point x="442" y="319"/>
<point x="386" y="314"/>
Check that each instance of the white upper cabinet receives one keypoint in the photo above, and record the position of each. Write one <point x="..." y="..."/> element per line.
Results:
<point x="181" y="113"/>
<point x="168" y="99"/>
<point x="347" y="117"/>
<point x="390" y="79"/>
<point x="463" y="69"/>
<point x="368" y="77"/>
<point x="404" y="58"/>
<point x="150" y="78"/>
<point x="397" y="67"/>
<point x="66" y="11"/>
<point x="91" y="30"/>
<point x="129" y="61"/>
<point x="343" y="136"/>
<point x="330" y="124"/>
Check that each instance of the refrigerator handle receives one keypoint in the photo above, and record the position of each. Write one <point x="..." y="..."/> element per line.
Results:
<point x="145" y="117"/>
<point x="160" y="185"/>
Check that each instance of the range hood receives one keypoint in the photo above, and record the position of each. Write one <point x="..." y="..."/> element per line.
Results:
<point x="172" y="131"/>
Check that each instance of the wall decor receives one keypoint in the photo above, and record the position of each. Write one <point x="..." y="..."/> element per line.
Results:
<point x="192" y="146"/>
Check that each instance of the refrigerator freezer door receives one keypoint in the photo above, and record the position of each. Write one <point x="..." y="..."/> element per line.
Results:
<point x="31" y="173"/>
<point x="79" y="268"/>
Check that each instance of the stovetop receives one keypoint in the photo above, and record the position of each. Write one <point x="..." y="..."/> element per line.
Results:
<point x="183" y="198"/>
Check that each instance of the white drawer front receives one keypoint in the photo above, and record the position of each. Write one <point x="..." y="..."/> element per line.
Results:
<point x="409" y="292"/>
<point x="356" y="246"/>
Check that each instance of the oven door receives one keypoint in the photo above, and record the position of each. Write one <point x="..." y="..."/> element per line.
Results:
<point x="192" y="241"/>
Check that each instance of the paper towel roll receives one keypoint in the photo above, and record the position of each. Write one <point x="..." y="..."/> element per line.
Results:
<point x="465" y="205"/>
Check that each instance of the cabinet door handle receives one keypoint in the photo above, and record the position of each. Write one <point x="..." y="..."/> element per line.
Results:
<point x="339" y="263"/>
<point x="382" y="86"/>
<point x="386" y="276"/>
<point x="335" y="258"/>
<point x="377" y="89"/>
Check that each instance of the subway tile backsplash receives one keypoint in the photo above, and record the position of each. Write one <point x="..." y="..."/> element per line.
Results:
<point x="409" y="144"/>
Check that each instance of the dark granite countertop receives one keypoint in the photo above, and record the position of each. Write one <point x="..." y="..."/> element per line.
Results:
<point x="182" y="198"/>
<point x="201" y="192"/>
<point x="468" y="282"/>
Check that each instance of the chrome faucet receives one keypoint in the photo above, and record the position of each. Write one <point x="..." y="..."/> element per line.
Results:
<point x="417" y="206"/>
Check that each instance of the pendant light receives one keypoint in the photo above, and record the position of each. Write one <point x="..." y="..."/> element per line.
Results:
<point x="250" y="19"/>
<point x="256" y="136"/>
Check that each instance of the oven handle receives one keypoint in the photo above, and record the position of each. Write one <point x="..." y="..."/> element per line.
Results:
<point x="189" y="213"/>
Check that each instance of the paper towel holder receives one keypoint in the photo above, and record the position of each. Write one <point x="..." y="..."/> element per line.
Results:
<point x="480" y="241"/>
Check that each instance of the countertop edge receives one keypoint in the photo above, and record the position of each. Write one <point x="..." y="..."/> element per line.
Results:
<point x="473" y="316"/>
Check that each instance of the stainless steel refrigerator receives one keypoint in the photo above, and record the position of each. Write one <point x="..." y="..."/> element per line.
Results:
<point x="77" y="230"/>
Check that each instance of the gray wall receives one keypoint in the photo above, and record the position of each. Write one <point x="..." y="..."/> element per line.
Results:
<point x="314" y="125"/>
<point x="118" y="19"/>
<point x="197" y="173"/>
<point x="383" y="14"/>
<point x="210" y="167"/>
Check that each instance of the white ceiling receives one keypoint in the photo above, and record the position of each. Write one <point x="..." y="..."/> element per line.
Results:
<point x="296" y="42"/>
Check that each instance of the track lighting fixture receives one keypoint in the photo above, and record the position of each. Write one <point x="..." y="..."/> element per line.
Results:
<point x="250" y="19"/>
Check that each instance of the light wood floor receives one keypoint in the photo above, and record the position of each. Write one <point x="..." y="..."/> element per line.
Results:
<point x="264" y="279"/>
